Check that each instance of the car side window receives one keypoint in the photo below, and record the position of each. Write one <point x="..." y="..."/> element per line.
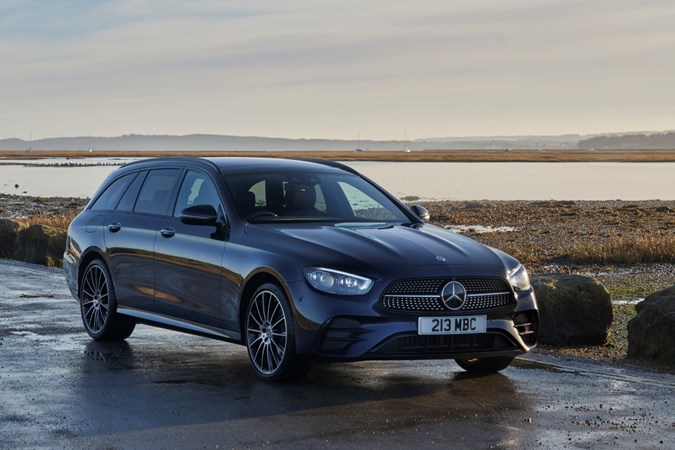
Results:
<point x="156" y="190"/>
<point x="108" y="199"/>
<point x="197" y="189"/>
<point x="129" y="198"/>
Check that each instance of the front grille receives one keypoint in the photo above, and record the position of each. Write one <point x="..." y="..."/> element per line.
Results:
<point x="412" y="303"/>
<point x="424" y="295"/>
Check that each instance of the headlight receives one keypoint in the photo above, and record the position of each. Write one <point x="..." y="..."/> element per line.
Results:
<point x="519" y="279"/>
<point x="336" y="282"/>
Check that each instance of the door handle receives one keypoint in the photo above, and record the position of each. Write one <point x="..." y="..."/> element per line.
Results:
<point x="114" y="227"/>
<point x="168" y="232"/>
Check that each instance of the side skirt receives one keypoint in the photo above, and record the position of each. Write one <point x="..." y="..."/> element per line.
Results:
<point x="184" y="326"/>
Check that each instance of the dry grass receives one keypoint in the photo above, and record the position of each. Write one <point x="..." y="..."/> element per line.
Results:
<point x="651" y="248"/>
<point x="58" y="221"/>
<point x="415" y="156"/>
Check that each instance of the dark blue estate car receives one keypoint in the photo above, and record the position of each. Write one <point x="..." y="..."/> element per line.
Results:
<point x="300" y="261"/>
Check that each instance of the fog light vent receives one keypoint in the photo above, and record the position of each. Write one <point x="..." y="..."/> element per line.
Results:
<point x="340" y="334"/>
<point x="527" y="324"/>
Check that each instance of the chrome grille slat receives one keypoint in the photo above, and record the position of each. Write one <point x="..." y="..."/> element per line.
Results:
<point x="423" y="295"/>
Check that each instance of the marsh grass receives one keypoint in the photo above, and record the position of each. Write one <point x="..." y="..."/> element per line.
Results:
<point x="60" y="222"/>
<point x="650" y="248"/>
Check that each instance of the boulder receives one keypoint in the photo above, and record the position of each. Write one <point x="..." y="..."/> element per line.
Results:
<point x="651" y="333"/>
<point x="40" y="244"/>
<point x="8" y="231"/>
<point x="573" y="310"/>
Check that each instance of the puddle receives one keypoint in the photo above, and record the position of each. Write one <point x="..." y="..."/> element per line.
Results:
<point x="579" y="368"/>
<point x="60" y="342"/>
<point x="627" y="302"/>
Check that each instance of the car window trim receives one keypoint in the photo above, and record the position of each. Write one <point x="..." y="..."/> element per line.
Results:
<point x="107" y="186"/>
<point x="187" y="169"/>
<point x="172" y="193"/>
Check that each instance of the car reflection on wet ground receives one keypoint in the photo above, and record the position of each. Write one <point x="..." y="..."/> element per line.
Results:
<point x="170" y="390"/>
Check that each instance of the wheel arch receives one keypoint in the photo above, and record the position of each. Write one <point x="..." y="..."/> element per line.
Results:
<point x="253" y="282"/>
<point x="87" y="257"/>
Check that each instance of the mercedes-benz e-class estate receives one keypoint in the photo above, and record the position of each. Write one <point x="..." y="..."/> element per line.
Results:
<point x="300" y="261"/>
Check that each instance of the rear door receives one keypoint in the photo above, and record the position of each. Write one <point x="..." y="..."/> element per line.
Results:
<point x="130" y="235"/>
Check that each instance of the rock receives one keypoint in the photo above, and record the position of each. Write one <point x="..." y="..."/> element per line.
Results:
<point x="8" y="231"/>
<point x="40" y="244"/>
<point x="474" y="205"/>
<point x="651" y="334"/>
<point x="573" y="310"/>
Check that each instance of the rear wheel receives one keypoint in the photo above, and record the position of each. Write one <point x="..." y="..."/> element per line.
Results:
<point x="98" y="305"/>
<point x="270" y="336"/>
<point x="484" y="365"/>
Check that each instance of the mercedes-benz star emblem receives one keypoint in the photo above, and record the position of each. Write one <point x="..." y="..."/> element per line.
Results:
<point x="453" y="295"/>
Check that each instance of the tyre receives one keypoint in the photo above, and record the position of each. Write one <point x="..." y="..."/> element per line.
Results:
<point x="270" y="336"/>
<point x="484" y="365"/>
<point x="98" y="305"/>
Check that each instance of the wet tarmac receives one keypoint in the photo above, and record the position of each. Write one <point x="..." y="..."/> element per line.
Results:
<point x="162" y="389"/>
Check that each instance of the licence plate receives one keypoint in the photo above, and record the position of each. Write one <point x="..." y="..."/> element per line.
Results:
<point x="452" y="325"/>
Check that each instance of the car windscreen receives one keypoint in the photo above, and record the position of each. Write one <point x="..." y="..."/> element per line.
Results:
<point x="311" y="197"/>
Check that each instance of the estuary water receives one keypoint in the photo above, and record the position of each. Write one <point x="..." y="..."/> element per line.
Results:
<point x="436" y="180"/>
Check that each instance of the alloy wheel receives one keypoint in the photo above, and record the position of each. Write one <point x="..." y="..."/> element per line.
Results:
<point x="266" y="329"/>
<point x="95" y="299"/>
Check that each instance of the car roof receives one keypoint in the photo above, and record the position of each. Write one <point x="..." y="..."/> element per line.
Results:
<point x="239" y="165"/>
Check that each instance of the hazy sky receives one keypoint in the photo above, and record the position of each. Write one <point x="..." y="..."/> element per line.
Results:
<point x="335" y="69"/>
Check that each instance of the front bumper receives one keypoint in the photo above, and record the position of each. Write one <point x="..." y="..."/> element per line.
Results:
<point x="338" y="328"/>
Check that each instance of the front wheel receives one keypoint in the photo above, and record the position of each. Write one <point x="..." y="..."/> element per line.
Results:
<point x="270" y="336"/>
<point x="98" y="305"/>
<point x="484" y="365"/>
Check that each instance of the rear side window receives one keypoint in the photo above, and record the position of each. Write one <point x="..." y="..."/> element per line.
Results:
<point x="156" y="190"/>
<point x="109" y="198"/>
<point x="129" y="198"/>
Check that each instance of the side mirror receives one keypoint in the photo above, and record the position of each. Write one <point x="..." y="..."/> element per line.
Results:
<point x="199" y="215"/>
<point x="421" y="212"/>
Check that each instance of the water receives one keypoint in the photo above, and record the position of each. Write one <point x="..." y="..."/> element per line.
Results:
<point x="525" y="181"/>
<point x="448" y="181"/>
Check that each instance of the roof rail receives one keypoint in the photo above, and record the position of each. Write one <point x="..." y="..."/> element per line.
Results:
<point x="329" y="163"/>
<point x="176" y="159"/>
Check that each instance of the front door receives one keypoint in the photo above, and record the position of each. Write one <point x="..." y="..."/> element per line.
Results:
<point x="188" y="258"/>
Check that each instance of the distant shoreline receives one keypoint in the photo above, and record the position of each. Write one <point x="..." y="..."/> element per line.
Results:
<point x="548" y="156"/>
